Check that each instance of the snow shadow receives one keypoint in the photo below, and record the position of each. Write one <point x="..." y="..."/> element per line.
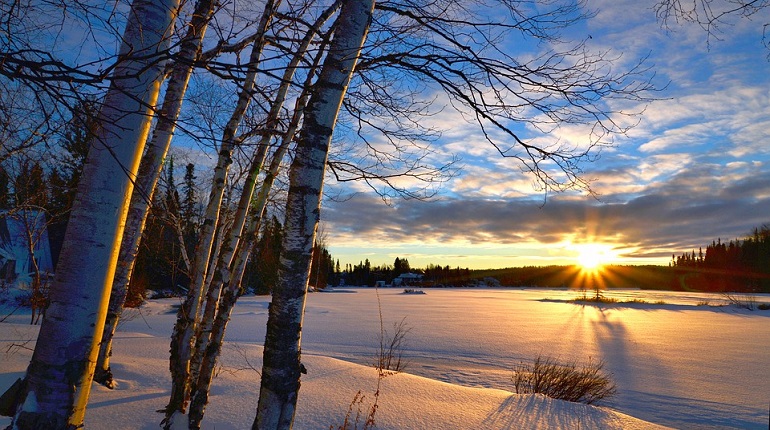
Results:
<point x="536" y="411"/>
<point x="129" y="399"/>
<point x="674" y="307"/>
<point x="685" y="412"/>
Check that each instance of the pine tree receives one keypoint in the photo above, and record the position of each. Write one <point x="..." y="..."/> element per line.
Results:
<point x="190" y="200"/>
<point x="5" y="200"/>
<point x="262" y="270"/>
<point x="63" y="179"/>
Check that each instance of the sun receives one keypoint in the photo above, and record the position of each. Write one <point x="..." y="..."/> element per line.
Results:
<point x="589" y="261"/>
<point x="591" y="257"/>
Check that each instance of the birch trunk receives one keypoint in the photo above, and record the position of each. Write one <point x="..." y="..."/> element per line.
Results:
<point x="229" y="279"/>
<point x="58" y="380"/>
<point x="187" y="318"/>
<point x="223" y="261"/>
<point x="222" y="273"/>
<point x="281" y="366"/>
<point x="229" y="287"/>
<point x="208" y="352"/>
<point x="149" y="172"/>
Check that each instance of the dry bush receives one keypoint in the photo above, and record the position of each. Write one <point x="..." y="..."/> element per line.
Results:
<point x="137" y="291"/>
<point x="584" y="384"/>
<point x="743" y="301"/>
<point x="391" y="354"/>
<point x="366" y="421"/>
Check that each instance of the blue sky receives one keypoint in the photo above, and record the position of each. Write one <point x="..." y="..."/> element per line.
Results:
<point x="694" y="169"/>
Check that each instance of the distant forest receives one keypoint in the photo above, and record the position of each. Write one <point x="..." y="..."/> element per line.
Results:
<point x="738" y="265"/>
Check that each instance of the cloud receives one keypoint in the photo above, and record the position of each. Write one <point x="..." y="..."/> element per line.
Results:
<point x="672" y="218"/>
<point x="693" y="170"/>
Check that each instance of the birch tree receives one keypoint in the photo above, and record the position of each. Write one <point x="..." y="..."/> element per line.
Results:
<point x="58" y="380"/>
<point x="463" y="51"/>
<point x="282" y="365"/>
<point x="149" y="172"/>
<point x="189" y="313"/>
<point x="231" y="266"/>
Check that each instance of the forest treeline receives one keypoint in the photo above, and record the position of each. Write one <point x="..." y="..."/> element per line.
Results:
<point x="48" y="185"/>
<point x="364" y="274"/>
<point x="568" y="276"/>
<point x="738" y="265"/>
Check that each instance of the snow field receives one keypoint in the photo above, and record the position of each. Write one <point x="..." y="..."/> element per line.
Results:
<point x="677" y="364"/>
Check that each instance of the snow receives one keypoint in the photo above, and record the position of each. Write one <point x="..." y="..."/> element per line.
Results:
<point x="676" y="364"/>
<point x="30" y="403"/>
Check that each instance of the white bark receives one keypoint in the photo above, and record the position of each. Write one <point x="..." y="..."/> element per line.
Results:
<point x="60" y="373"/>
<point x="187" y="318"/>
<point x="150" y="169"/>
<point x="281" y="367"/>
<point x="223" y="272"/>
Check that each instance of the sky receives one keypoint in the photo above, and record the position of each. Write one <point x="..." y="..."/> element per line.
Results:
<point x="694" y="169"/>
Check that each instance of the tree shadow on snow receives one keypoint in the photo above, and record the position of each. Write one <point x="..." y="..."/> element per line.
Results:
<point x="684" y="412"/>
<point x="536" y="411"/>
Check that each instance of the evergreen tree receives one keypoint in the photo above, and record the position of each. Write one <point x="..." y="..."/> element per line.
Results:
<point x="64" y="178"/>
<point x="322" y="267"/>
<point x="190" y="193"/>
<point x="171" y="194"/>
<point x="5" y="200"/>
<point x="30" y="186"/>
<point x="188" y="212"/>
<point x="262" y="270"/>
<point x="160" y="265"/>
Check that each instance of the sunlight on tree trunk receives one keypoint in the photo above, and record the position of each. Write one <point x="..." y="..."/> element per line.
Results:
<point x="58" y="380"/>
<point x="281" y="363"/>
<point x="149" y="172"/>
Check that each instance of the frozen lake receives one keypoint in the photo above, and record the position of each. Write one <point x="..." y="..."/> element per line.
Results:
<point x="677" y="364"/>
<point x="676" y="361"/>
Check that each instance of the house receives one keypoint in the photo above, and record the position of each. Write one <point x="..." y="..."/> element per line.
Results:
<point x="407" y="279"/>
<point x="17" y="230"/>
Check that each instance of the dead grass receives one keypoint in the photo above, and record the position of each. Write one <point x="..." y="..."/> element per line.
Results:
<point x="582" y="384"/>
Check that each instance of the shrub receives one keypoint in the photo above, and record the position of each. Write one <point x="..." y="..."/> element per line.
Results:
<point x="763" y="306"/>
<point x="636" y="301"/>
<point x="391" y="354"/>
<point x="365" y="420"/>
<point x="595" y="299"/>
<point x="743" y="301"/>
<point x="584" y="384"/>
